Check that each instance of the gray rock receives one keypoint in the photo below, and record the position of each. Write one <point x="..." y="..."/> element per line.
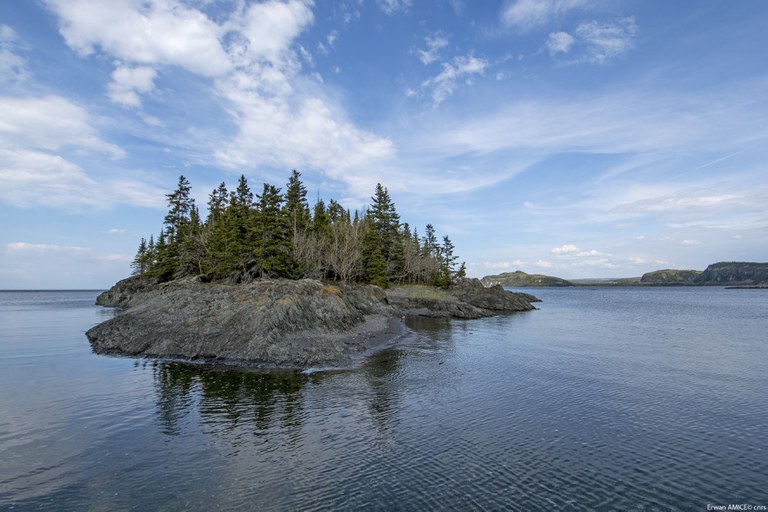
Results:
<point x="281" y="323"/>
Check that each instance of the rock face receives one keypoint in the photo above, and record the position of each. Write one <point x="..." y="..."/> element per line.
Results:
<point x="280" y="323"/>
<point x="468" y="299"/>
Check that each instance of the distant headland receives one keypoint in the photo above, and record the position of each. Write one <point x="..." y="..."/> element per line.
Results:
<point x="730" y="274"/>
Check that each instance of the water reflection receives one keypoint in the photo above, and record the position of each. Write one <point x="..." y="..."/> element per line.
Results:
<point x="226" y="398"/>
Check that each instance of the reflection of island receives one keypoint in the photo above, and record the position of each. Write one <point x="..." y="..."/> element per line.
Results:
<point x="265" y="403"/>
<point x="227" y="398"/>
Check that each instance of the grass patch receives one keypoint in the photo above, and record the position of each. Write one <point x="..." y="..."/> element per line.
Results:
<point x="420" y="291"/>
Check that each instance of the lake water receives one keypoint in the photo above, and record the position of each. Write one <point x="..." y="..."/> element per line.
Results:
<point x="603" y="399"/>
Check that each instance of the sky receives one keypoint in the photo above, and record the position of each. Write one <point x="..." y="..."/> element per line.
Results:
<point x="576" y="138"/>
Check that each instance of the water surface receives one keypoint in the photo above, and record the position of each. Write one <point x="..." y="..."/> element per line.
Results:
<point x="603" y="399"/>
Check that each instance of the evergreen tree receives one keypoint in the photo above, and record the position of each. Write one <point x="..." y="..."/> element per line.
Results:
<point x="276" y="236"/>
<point x="383" y="234"/>
<point x="273" y="235"/>
<point x="139" y="263"/>
<point x="296" y="205"/>
<point x="164" y="267"/>
<point x="217" y="203"/>
<point x="230" y="240"/>
<point x="320" y="218"/>
<point x="180" y="204"/>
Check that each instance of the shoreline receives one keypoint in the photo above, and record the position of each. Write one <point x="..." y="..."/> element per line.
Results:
<point x="279" y="324"/>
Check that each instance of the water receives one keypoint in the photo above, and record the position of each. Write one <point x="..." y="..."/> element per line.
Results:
<point x="604" y="399"/>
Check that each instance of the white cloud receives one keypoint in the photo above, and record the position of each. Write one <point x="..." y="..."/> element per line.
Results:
<point x="298" y="132"/>
<point x="560" y="42"/>
<point x="434" y="44"/>
<point x="691" y="242"/>
<point x="127" y="81"/>
<point x="543" y="264"/>
<point x="38" y="179"/>
<point x="282" y="118"/>
<point x="565" y="249"/>
<point x="28" y="247"/>
<point x="604" y="41"/>
<point x="50" y="123"/>
<point x="525" y="15"/>
<point x="41" y="140"/>
<point x="391" y="7"/>
<point x="269" y="30"/>
<point x="159" y="32"/>
<point x="444" y="84"/>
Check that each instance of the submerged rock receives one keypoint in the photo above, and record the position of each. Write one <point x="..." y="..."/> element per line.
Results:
<point x="281" y="323"/>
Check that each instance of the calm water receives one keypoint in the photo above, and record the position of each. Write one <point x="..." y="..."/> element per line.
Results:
<point x="604" y="399"/>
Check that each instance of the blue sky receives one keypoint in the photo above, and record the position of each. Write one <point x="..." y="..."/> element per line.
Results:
<point x="578" y="138"/>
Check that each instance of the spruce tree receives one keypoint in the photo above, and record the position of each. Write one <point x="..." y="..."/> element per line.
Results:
<point x="217" y="203"/>
<point x="296" y="205"/>
<point x="139" y="263"/>
<point x="383" y="234"/>
<point x="273" y="235"/>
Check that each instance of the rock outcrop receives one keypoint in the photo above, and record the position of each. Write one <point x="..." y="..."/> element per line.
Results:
<point x="279" y="323"/>
<point x="468" y="299"/>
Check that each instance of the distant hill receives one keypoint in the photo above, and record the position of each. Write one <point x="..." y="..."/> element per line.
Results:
<point x="521" y="279"/>
<point x="722" y="273"/>
<point x="671" y="277"/>
<point x="732" y="272"/>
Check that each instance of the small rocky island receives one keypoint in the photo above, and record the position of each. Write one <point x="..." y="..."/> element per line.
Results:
<point x="279" y="322"/>
<point x="264" y="280"/>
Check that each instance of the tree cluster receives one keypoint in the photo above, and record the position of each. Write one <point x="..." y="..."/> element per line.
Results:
<point x="274" y="234"/>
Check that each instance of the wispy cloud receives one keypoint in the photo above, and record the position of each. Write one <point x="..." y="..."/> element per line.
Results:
<point x="525" y="15"/>
<point x="41" y="140"/>
<point x="50" y="123"/>
<point x="13" y="67"/>
<point x="434" y="44"/>
<point x="594" y="42"/>
<point x="25" y="247"/>
<point x="559" y="42"/>
<point x="605" y="41"/>
<point x="463" y="67"/>
<point x="392" y="7"/>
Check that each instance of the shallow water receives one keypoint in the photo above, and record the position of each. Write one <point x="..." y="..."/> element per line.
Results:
<point x="603" y="399"/>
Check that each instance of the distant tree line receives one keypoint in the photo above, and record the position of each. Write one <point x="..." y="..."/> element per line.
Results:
<point x="274" y="234"/>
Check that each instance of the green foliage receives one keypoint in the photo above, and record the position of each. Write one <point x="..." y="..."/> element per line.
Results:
<point x="275" y="235"/>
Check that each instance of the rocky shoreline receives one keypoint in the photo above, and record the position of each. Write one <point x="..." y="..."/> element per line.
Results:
<point x="279" y="323"/>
